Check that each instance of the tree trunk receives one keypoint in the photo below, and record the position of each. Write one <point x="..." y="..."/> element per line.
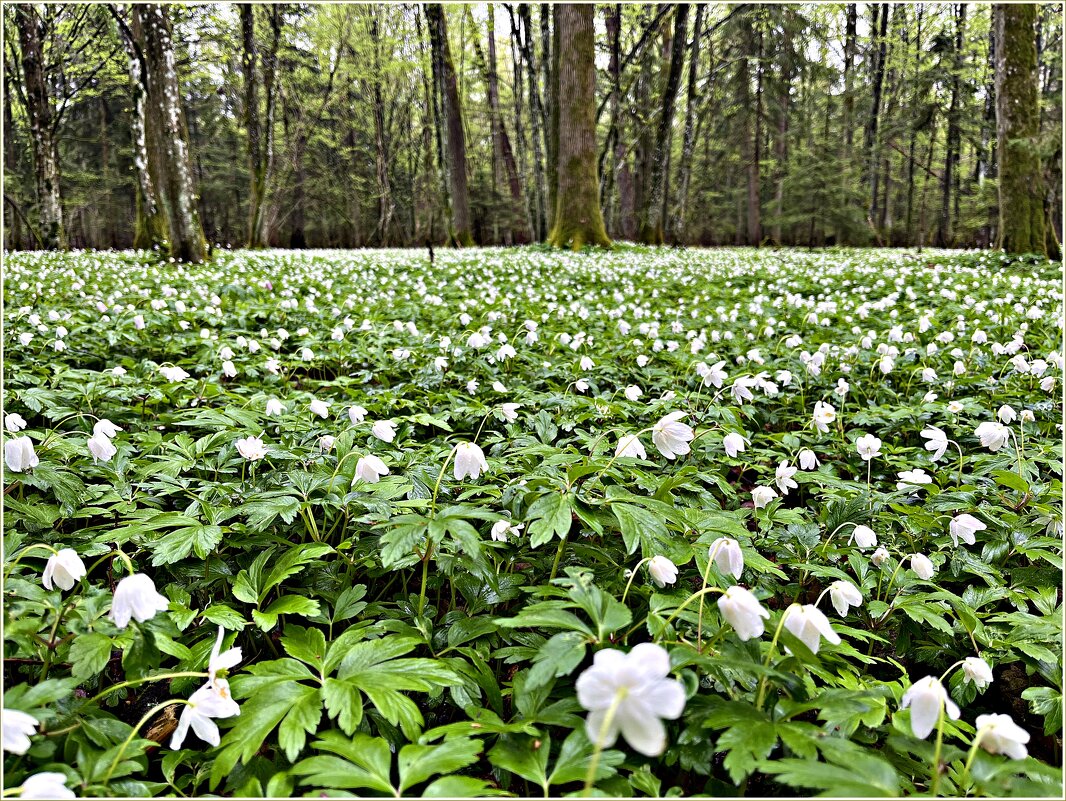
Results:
<point x="849" y="62"/>
<point x="578" y="219"/>
<point x="1021" y="194"/>
<point x="653" y="213"/>
<point x="752" y="132"/>
<point x="953" y="143"/>
<point x="688" y="142"/>
<point x="39" y="112"/>
<point x="455" y="137"/>
<point x="386" y="207"/>
<point x="879" y="45"/>
<point x="538" y="129"/>
<point x="165" y="129"/>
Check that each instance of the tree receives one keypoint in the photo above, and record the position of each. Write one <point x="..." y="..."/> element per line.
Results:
<point x="452" y="128"/>
<point x="1021" y="191"/>
<point x="653" y="213"/>
<point x="165" y="133"/>
<point x="578" y="220"/>
<point x="260" y="130"/>
<point x="39" y="110"/>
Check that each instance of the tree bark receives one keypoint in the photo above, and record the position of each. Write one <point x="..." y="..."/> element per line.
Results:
<point x="39" y="111"/>
<point x="953" y="143"/>
<point x="752" y="132"/>
<point x="538" y="127"/>
<point x="454" y="135"/>
<point x="879" y="45"/>
<point x="653" y="214"/>
<point x="688" y="142"/>
<point x="578" y="218"/>
<point x="165" y="128"/>
<point x="624" y="220"/>
<point x="1021" y="191"/>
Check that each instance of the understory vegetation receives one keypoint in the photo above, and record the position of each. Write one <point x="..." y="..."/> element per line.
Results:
<point x="646" y="522"/>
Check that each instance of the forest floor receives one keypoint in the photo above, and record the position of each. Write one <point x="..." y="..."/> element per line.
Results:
<point x="519" y="522"/>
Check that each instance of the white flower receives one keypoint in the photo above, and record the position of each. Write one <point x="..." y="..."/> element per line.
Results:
<point x="1047" y="383"/>
<point x="501" y="528"/>
<point x="728" y="555"/>
<point x="510" y="411"/>
<point x="879" y="557"/>
<point x="975" y="669"/>
<point x="471" y="386"/>
<point x="356" y="414"/>
<point x="272" y="366"/>
<point x="742" y="610"/>
<point x="370" y="468"/>
<point x="63" y="568"/>
<point x="1006" y="414"/>
<point x="807" y="459"/>
<point x="868" y="446"/>
<point x="955" y="407"/>
<point x="581" y="385"/>
<point x="922" y="566"/>
<point x="913" y="479"/>
<point x="671" y="436"/>
<point x="14" y="422"/>
<point x="251" y="448"/>
<point x="929" y="397"/>
<point x="210" y="701"/>
<point x="998" y="734"/>
<point x="469" y="461"/>
<point x="326" y="442"/>
<point x="663" y="571"/>
<point x="274" y="408"/>
<point x="938" y="442"/>
<point x="47" y="785"/>
<point x="963" y="528"/>
<point x="741" y="389"/>
<point x="824" y="415"/>
<point x="173" y="374"/>
<point x="229" y="369"/>
<point x="135" y="597"/>
<point x="629" y="445"/>
<point x="809" y="625"/>
<point x="783" y="477"/>
<point x="926" y="698"/>
<point x="585" y="364"/>
<point x="385" y="430"/>
<point x="319" y="407"/>
<point x="105" y="428"/>
<point x="844" y="594"/>
<point x="100" y="448"/>
<point x="306" y="354"/>
<point x="864" y="536"/>
<point x="992" y="435"/>
<point x="17" y="729"/>
<point x="714" y="375"/>
<point x="636" y="687"/>
<point x="221" y="660"/>
<point x="1027" y="416"/>
<point x="19" y="454"/>
<point x="632" y="392"/>
<point x="761" y="496"/>
<point x="733" y="443"/>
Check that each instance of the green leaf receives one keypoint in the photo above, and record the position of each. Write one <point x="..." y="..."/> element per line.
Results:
<point x="419" y="762"/>
<point x="285" y="605"/>
<point x="360" y="762"/>
<point x="550" y="516"/>
<point x="89" y="654"/>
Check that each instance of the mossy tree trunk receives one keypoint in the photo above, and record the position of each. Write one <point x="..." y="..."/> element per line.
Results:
<point x="166" y="133"/>
<point x="454" y="135"/>
<point x="39" y="112"/>
<point x="1021" y="188"/>
<point x="578" y="218"/>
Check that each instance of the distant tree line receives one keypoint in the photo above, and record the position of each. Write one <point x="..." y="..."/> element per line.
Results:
<point x="303" y="125"/>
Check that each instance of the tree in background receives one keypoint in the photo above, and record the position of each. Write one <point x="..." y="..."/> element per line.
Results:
<point x="165" y="133"/>
<point x="38" y="105"/>
<point x="578" y="220"/>
<point x="1021" y="186"/>
<point x="259" y="67"/>
<point x="452" y="128"/>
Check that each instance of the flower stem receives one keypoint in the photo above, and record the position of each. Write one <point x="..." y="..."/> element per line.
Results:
<point x="632" y="576"/>
<point x="935" y="786"/>
<point x="770" y="653"/>
<point x="133" y="733"/>
<point x="558" y="556"/>
<point x="601" y="737"/>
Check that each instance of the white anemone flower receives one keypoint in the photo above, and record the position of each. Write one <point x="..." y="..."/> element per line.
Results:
<point x="630" y="694"/>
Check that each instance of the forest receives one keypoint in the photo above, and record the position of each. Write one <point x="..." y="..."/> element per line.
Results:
<point x="405" y="124"/>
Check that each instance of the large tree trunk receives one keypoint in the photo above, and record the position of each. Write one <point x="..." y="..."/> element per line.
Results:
<point x="879" y="45"/>
<point x="165" y="129"/>
<point x="39" y="112"/>
<point x="386" y="207"/>
<point x="455" y="137"/>
<point x="752" y="130"/>
<point x="624" y="219"/>
<point x="260" y="132"/>
<point x="578" y="219"/>
<point x="1021" y="190"/>
<point x="653" y="213"/>
<point x="952" y="146"/>
<point x="688" y="142"/>
<point x="537" y="117"/>
<point x="549" y="62"/>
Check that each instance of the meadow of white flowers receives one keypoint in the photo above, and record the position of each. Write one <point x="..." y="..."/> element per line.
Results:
<point x="518" y="522"/>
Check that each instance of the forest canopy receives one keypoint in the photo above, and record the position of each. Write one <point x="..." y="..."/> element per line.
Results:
<point x="335" y="125"/>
